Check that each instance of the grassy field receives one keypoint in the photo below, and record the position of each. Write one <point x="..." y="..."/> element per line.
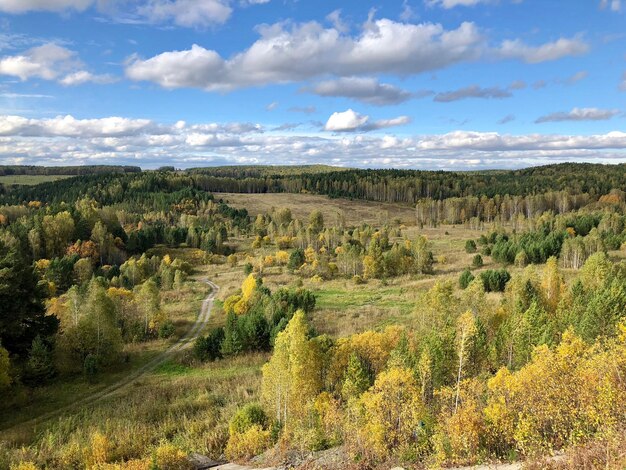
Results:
<point x="30" y="180"/>
<point x="334" y="210"/>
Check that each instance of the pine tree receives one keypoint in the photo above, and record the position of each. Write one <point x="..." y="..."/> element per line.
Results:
<point x="356" y="380"/>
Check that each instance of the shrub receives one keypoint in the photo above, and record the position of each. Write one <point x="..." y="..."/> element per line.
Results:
<point x="167" y="329"/>
<point x="247" y="444"/>
<point x="470" y="246"/>
<point x="250" y="415"/>
<point x="465" y="278"/>
<point x="247" y="269"/>
<point x="477" y="261"/>
<point x="167" y="456"/>
<point x="358" y="279"/>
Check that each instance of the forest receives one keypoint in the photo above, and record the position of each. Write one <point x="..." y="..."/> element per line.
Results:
<point x="490" y="328"/>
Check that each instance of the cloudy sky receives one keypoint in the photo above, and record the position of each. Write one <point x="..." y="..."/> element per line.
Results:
<point x="450" y="84"/>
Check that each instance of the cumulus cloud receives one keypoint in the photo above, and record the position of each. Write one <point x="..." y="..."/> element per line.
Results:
<point x="286" y="54"/>
<point x="351" y="121"/>
<point x="473" y="91"/>
<point x="579" y="114"/>
<point x="562" y="47"/>
<point x="50" y="62"/>
<point x="366" y="90"/>
<point x="117" y="140"/>
<point x="46" y="62"/>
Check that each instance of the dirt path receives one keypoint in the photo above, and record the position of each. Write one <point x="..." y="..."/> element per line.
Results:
<point x="180" y="345"/>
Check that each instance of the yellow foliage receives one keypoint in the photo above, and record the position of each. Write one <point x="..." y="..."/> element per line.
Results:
<point x="389" y="419"/>
<point x="248" y="287"/>
<point x="42" y="264"/>
<point x="168" y="456"/>
<point x="282" y="257"/>
<point x="371" y="346"/>
<point x="247" y="444"/>
<point x="98" y="449"/>
<point x="26" y="465"/>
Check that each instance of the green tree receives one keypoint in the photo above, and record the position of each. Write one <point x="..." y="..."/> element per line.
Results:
<point x="357" y="379"/>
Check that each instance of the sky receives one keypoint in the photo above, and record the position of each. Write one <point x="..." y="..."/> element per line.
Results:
<point x="427" y="84"/>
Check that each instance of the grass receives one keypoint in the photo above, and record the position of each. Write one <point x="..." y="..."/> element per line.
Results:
<point x="30" y="180"/>
<point x="354" y="212"/>
<point x="187" y="405"/>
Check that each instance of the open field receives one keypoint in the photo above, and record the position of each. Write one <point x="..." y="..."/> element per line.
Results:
<point x="30" y="180"/>
<point x="353" y="212"/>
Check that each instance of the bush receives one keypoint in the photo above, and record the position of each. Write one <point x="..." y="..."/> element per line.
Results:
<point x="247" y="269"/>
<point x="167" y="329"/>
<point x="465" y="279"/>
<point x="250" y="415"/>
<point x="248" y="444"/>
<point x="358" y="279"/>
<point x="470" y="246"/>
<point x="477" y="261"/>
<point x="208" y="348"/>
<point x="169" y="457"/>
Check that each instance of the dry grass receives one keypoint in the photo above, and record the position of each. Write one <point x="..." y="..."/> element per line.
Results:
<point x="352" y="211"/>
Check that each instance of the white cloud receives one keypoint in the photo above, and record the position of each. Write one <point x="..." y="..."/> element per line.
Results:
<point x="287" y="53"/>
<point x="447" y="4"/>
<point x="308" y="50"/>
<point x="366" y="90"/>
<point x="23" y="6"/>
<point x="345" y="121"/>
<point x="622" y="85"/>
<point x="46" y="62"/>
<point x="117" y="140"/>
<point x="50" y="62"/>
<point x="562" y="47"/>
<point x="351" y="121"/>
<point x="187" y="13"/>
<point x="580" y="114"/>
<point x="82" y="76"/>
<point x="473" y="91"/>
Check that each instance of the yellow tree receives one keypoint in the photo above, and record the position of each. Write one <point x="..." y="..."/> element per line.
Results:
<point x="389" y="417"/>
<point x="466" y="329"/>
<point x="552" y="284"/>
<point x="291" y="378"/>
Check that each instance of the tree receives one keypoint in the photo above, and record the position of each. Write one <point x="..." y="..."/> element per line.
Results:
<point x="470" y="246"/>
<point x="466" y="329"/>
<point x="148" y="303"/>
<point x="296" y="259"/>
<point x="357" y="379"/>
<point x="57" y="231"/>
<point x="40" y="366"/>
<point x="22" y="313"/>
<point x="390" y="417"/>
<point x="316" y="221"/>
<point x="291" y="378"/>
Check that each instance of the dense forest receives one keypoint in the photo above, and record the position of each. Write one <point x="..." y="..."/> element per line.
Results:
<point x="409" y="186"/>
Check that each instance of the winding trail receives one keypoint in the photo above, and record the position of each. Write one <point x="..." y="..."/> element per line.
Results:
<point x="183" y="343"/>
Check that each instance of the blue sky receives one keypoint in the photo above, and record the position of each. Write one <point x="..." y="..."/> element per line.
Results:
<point x="452" y="84"/>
